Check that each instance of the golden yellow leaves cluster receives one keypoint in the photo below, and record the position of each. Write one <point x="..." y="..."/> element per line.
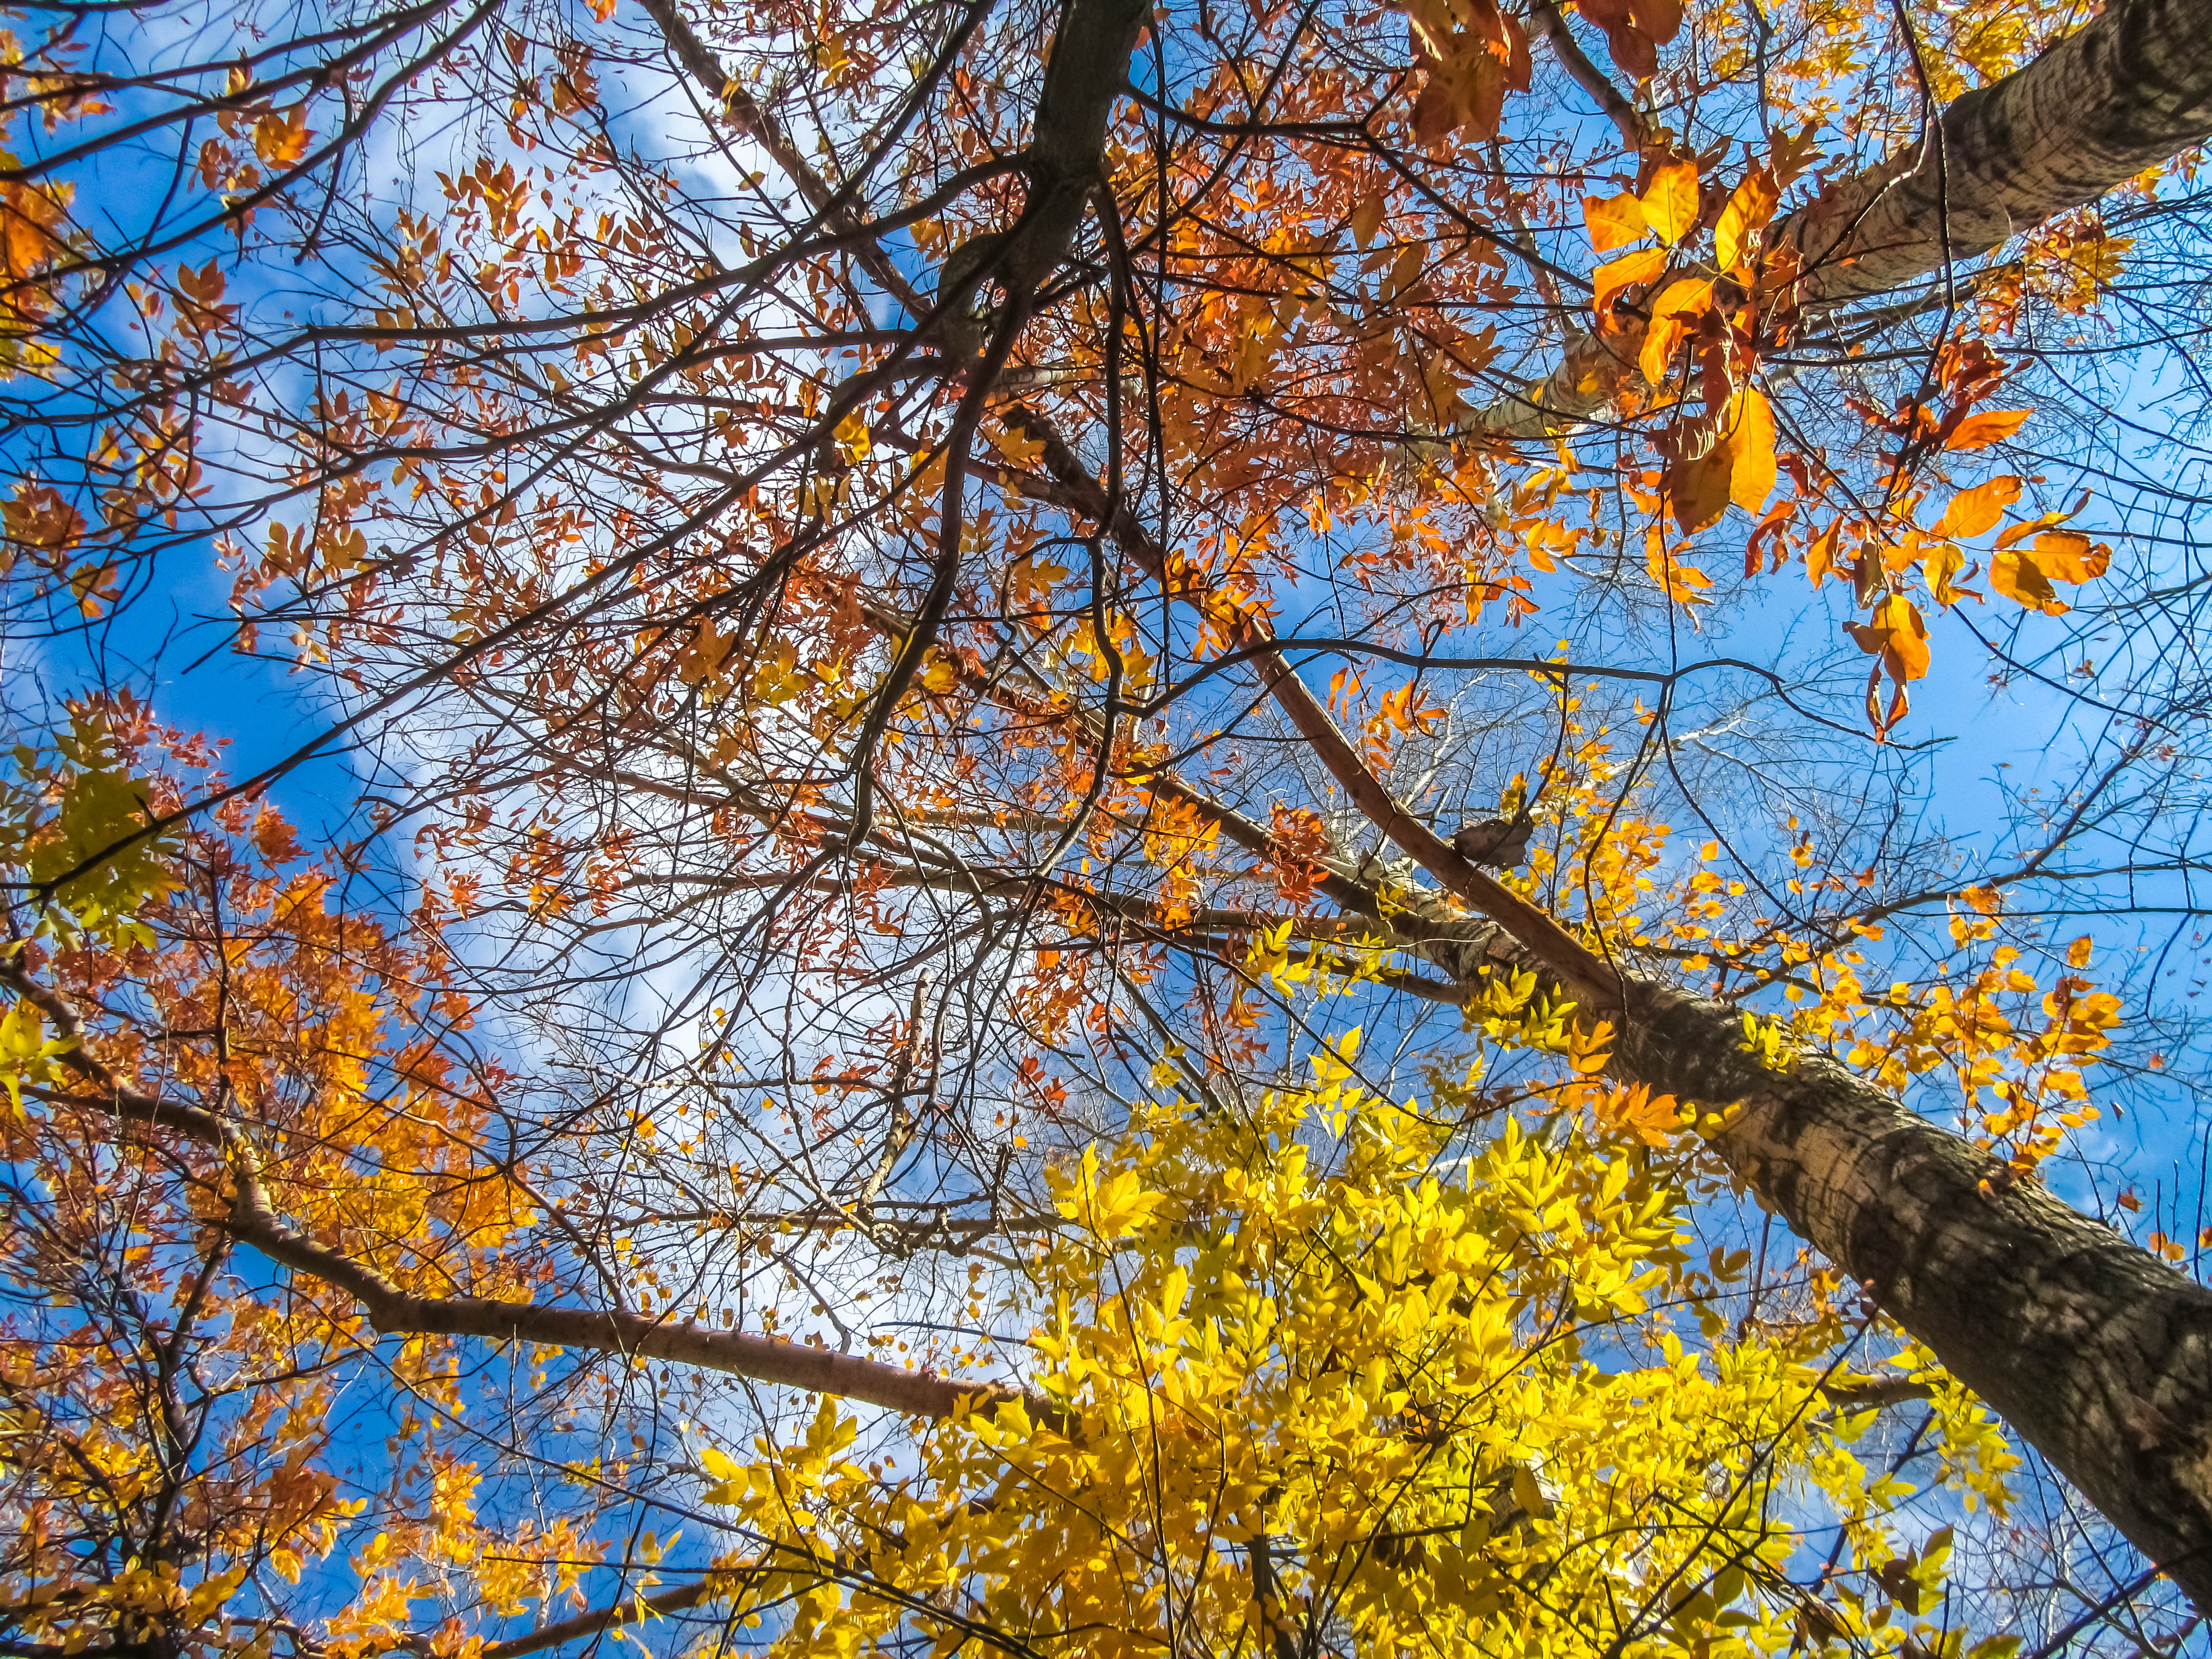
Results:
<point x="1304" y="1368"/>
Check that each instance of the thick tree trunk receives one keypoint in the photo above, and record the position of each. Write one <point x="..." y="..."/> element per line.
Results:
<point x="2129" y="90"/>
<point x="2093" y="1351"/>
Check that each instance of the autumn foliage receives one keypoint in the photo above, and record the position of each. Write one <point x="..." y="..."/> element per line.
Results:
<point x="854" y="1024"/>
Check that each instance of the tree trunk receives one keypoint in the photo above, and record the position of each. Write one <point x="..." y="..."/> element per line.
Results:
<point x="2131" y="90"/>
<point x="2093" y="1350"/>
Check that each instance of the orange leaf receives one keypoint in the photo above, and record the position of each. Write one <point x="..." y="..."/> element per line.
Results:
<point x="1821" y="557"/>
<point x="1972" y="512"/>
<point x="1613" y="221"/>
<point x="1673" y="314"/>
<point x="1670" y="205"/>
<point x="280" y="137"/>
<point x="1626" y="271"/>
<point x="1897" y="635"/>
<point x="2017" y="576"/>
<point x="2069" y="556"/>
<point x="1748" y="210"/>
<point x="1990" y="425"/>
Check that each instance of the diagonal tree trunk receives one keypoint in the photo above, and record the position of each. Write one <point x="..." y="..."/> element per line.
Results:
<point x="2093" y="1351"/>
<point x="2129" y="90"/>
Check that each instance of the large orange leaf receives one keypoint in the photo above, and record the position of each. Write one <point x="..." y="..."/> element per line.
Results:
<point x="1613" y="221"/>
<point x="1972" y="512"/>
<point x="1896" y="634"/>
<point x="1990" y="425"/>
<point x="1627" y="272"/>
<point x="2015" y="573"/>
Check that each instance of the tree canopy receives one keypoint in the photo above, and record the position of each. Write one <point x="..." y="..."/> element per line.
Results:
<point x="1239" y="828"/>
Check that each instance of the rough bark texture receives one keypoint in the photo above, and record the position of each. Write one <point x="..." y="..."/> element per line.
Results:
<point x="2131" y="90"/>
<point x="2093" y="1350"/>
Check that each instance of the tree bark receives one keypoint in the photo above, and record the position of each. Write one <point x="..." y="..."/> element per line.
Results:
<point x="2131" y="89"/>
<point x="2093" y="1351"/>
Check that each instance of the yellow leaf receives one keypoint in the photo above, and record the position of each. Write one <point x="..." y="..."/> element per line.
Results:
<point x="1613" y="221"/>
<point x="2015" y="574"/>
<point x="1751" y="441"/>
<point x="1941" y="566"/>
<point x="280" y="137"/>
<point x="1670" y="205"/>
<point x="853" y="439"/>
